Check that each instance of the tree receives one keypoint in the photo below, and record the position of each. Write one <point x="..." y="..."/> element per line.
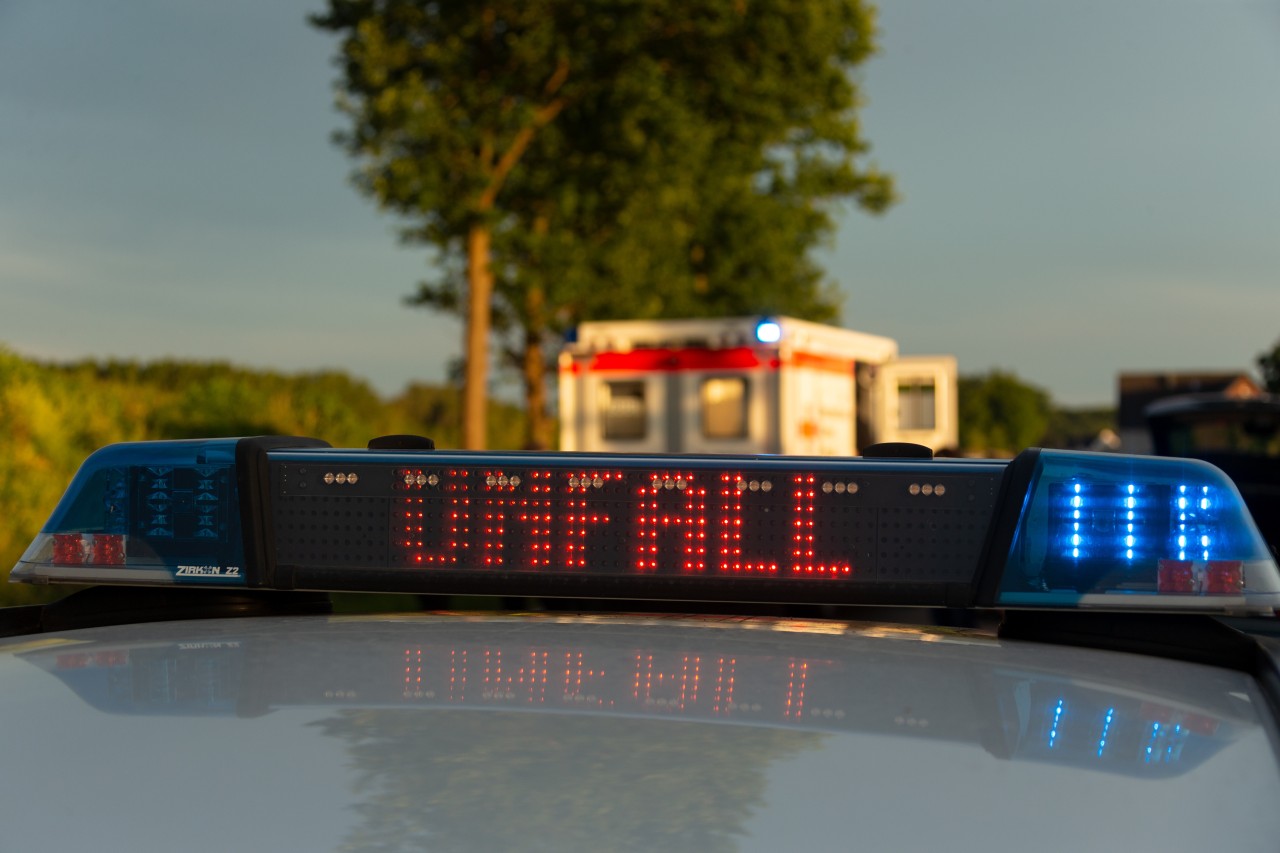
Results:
<point x="490" y="780"/>
<point x="571" y="158"/>
<point x="1000" y="414"/>
<point x="1269" y="364"/>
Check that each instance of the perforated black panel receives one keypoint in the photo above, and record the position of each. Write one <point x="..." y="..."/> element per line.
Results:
<point x="331" y="531"/>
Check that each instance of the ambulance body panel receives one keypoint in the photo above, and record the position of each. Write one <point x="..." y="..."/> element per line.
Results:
<point x="744" y="385"/>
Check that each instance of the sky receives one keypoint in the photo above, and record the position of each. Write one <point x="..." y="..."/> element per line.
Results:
<point x="1088" y="187"/>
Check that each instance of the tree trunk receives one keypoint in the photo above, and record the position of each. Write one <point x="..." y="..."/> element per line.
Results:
<point x="476" y="378"/>
<point x="534" y="369"/>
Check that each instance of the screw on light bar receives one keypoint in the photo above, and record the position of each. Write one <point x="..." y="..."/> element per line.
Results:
<point x="1071" y="529"/>
<point x="1132" y="532"/>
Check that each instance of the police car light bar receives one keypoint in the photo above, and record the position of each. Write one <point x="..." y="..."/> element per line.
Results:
<point x="1050" y="529"/>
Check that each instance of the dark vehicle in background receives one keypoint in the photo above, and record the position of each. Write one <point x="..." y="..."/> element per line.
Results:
<point x="1239" y="435"/>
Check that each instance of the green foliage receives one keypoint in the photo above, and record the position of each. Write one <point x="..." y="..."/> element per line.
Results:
<point x="556" y="781"/>
<point x="639" y="160"/>
<point x="1077" y="428"/>
<point x="53" y="416"/>
<point x="1000" y="414"/>
<point x="1269" y="364"/>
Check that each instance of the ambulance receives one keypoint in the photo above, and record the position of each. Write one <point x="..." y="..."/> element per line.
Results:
<point x="749" y="385"/>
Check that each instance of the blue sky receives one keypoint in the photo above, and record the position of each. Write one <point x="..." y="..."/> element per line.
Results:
<point x="1088" y="187"/>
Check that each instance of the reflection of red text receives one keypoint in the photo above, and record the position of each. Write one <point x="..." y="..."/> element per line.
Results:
<point x="667" y="682"/>
<point x="679" y="684"/>
<point x="797" y="675"/>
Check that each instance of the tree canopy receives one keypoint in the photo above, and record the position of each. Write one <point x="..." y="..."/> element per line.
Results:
<point x="1269" y="364"/>
<point x="1000" y="414"/>
<point x="54" y="415"/>
<point x="582" y="159"/>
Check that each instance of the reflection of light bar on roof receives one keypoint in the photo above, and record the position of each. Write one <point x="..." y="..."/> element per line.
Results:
<point x="1128" y="723"/>
<point x="1077" y="529"/>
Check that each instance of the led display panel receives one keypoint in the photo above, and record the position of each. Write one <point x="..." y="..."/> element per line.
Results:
<point x="623" y="517"/>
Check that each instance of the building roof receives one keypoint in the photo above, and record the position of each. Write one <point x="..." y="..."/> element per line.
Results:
<point x="1139" y="390"/>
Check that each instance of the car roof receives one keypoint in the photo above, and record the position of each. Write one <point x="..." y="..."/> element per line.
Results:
<point x="567" y="731"/>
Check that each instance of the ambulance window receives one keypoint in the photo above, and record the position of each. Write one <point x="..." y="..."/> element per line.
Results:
<point x="724" y="407"/>
<point x="916" y="405"/>
<point x="623" y="413"/>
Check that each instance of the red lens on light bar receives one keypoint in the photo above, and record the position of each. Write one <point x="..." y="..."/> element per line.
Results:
<point x="68" y="549"/>
<point x="1176" y="576"/>
<point x="1224" y="577"/>
<point x="108" y="549"/>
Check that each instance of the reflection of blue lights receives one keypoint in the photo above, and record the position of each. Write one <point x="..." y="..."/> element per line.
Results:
<point x="1164" y="744"/>
<point x="1151" y="743"/>
<point x="1174" y="750"/>
<point x="1106" y="729"/>
<point x="768" y="332"/>
<point x="1057" y="720"/>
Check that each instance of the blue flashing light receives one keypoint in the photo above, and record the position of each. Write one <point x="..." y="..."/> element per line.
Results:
<point x="1125" y="532"/>
<point x="162" y="512"/>
<point x="768" y="332"/>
